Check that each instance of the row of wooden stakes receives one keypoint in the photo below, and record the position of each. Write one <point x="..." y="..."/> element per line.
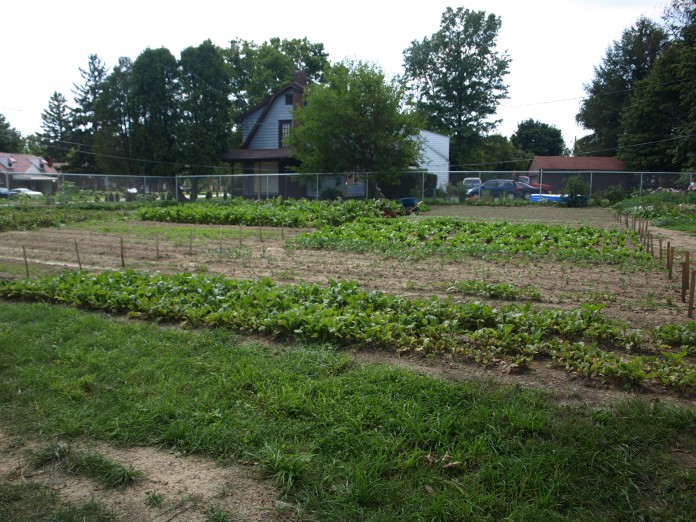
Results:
<point x="688" y="276"/>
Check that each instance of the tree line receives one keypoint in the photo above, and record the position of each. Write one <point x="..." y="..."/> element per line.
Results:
<point x="641" y="103"/>
<point x="159" y="115"/>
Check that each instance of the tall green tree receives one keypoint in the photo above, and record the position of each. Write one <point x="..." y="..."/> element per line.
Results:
<point x="56" y="125"/>
<point x="494" y="152"/>
<point x="457" y="76"/>
<point x="537" y="138"/>
<point x="112" y="140"/>
<point x="685" y="149"/>
<point x="205" y="116"/>
<point x="259" y="70"/>
<point x="627" y="61"/>
<point x="154" y="99"/>
<point x="10" y="138"/>
<point x="84" y="121"/>
<point x="355" y="122"/>
<point x="652" y="117"/>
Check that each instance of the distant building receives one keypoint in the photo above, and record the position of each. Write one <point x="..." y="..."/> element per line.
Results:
<point x="265" y="126"/>
<point x="601" y="172"/>
<point x="27" y="170"/>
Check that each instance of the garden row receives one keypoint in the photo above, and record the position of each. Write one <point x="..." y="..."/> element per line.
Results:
<point x="271" y="213"/>
<point x="456" y="238"/>
<point x="582" y="341"/>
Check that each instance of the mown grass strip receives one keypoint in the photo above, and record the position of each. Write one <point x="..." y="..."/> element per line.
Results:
<point x="341" y="313"/>
<point x="345" y="441"/>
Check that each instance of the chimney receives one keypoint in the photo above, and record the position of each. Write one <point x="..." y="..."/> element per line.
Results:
<point x="49" y="161"/>
<point x="300" y="77"/>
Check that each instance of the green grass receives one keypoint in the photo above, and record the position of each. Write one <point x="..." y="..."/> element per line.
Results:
<point x="344" y="441"/>
<point x="107" y="472"/>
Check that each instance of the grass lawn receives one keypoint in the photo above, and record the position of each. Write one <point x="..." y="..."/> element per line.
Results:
<point x="342" y="440"/>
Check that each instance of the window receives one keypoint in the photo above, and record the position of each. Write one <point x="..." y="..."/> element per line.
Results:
<point x="289" y="99"/>
<point x="283" y="131"/>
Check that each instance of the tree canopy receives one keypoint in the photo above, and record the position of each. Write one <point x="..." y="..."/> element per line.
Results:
<point x="537" y="138"/>
<point x="457" y="75"/>
<point x="256" y="71"/>
<point x="355" y="122"/>
<point x="56" y="137"/>
<point x="10" y="138"/>
<point x="627" y="61"/>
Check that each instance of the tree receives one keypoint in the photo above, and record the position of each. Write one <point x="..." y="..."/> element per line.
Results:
<point x="10" y="138"/>
<point x="355" y="123"/>
<point x="627" y="61"/>
<point x="685" y="149"/>
<point x="154" y="106"/>
<point x="205" y="117"/>
<point x="112" y="140"/>
<point x="494" y="152"/>
<point x="84" y="121"/>
<point x="537" y="138"/>
<point x="650" y="119"/>
<point x="457" y="76"/>
<point x="257" y="71"/>
<point x="57" y="128"/>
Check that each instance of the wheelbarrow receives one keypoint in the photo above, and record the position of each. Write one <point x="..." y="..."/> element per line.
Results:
<point x="410" y="205"/>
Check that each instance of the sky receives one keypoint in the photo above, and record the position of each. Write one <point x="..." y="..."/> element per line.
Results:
<point x="554" y="45"/>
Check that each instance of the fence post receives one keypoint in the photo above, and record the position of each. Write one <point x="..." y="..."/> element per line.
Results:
<point x="641" y="184"/>
<point x="691" y="294"/>
<point x="591" y="180"/>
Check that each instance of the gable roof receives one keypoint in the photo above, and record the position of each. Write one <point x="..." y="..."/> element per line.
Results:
<point x="297" y="85"/>
<point x="15" y="164"/>
<point x="594" y="163"/>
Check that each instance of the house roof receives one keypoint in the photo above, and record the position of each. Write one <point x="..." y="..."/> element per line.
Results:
<point x="593" y="163"/>
<point x="14" y="163"/>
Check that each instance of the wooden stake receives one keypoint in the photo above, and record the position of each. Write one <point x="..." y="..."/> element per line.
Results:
<point x="660" y="241"/>
<point x="260" y="235"/>
<point x="26" y="264"/>
<point x="220" y="242"/>
<point x="282" y="231"/>
<point x="691" y="294"/>
<point x="685" y="280"/>
<point x="241" y="233"/>
<point x="77" y="253"/>
<point x="670" y="253"/>
<point x="123" y="257"/>
<point x="157" y="247"/>
<point x="190" y="242"/>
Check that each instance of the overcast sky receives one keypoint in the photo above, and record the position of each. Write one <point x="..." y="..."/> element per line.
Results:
<point x="553" y="44"/>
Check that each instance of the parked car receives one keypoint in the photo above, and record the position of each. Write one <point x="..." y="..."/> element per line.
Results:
<point x="4" y="193"/>
<point x="25" y="192"/>
<point x="545" y="188"/>
<point x="470" y="183"/>
<point x="503" y="188"/>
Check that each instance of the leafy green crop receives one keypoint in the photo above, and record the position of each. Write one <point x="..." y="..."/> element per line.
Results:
<point x="455" y="239"/>
<point x="581" y="340"/>
<point x="273" y="212"/>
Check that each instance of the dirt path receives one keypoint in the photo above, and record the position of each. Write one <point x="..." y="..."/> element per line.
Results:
<point x="172" y="487"/>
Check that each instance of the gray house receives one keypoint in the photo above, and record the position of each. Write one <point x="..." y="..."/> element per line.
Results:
<point x="265" y="126"/>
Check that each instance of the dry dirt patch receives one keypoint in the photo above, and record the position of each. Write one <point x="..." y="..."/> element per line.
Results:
<point x="189" y="486"/>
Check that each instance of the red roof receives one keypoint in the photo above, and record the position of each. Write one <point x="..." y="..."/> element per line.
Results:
<point x="592" y="163"/>
<point x="14" y="163"/>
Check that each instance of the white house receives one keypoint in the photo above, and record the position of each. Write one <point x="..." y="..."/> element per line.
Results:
<point x="435" y="158"/>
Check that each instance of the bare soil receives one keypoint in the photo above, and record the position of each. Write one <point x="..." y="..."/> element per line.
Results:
<point x="187" y="487"/>
<point x="643" y="299"/>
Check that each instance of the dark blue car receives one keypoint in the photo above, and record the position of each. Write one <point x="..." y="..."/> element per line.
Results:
<point x="503" y="188"/>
